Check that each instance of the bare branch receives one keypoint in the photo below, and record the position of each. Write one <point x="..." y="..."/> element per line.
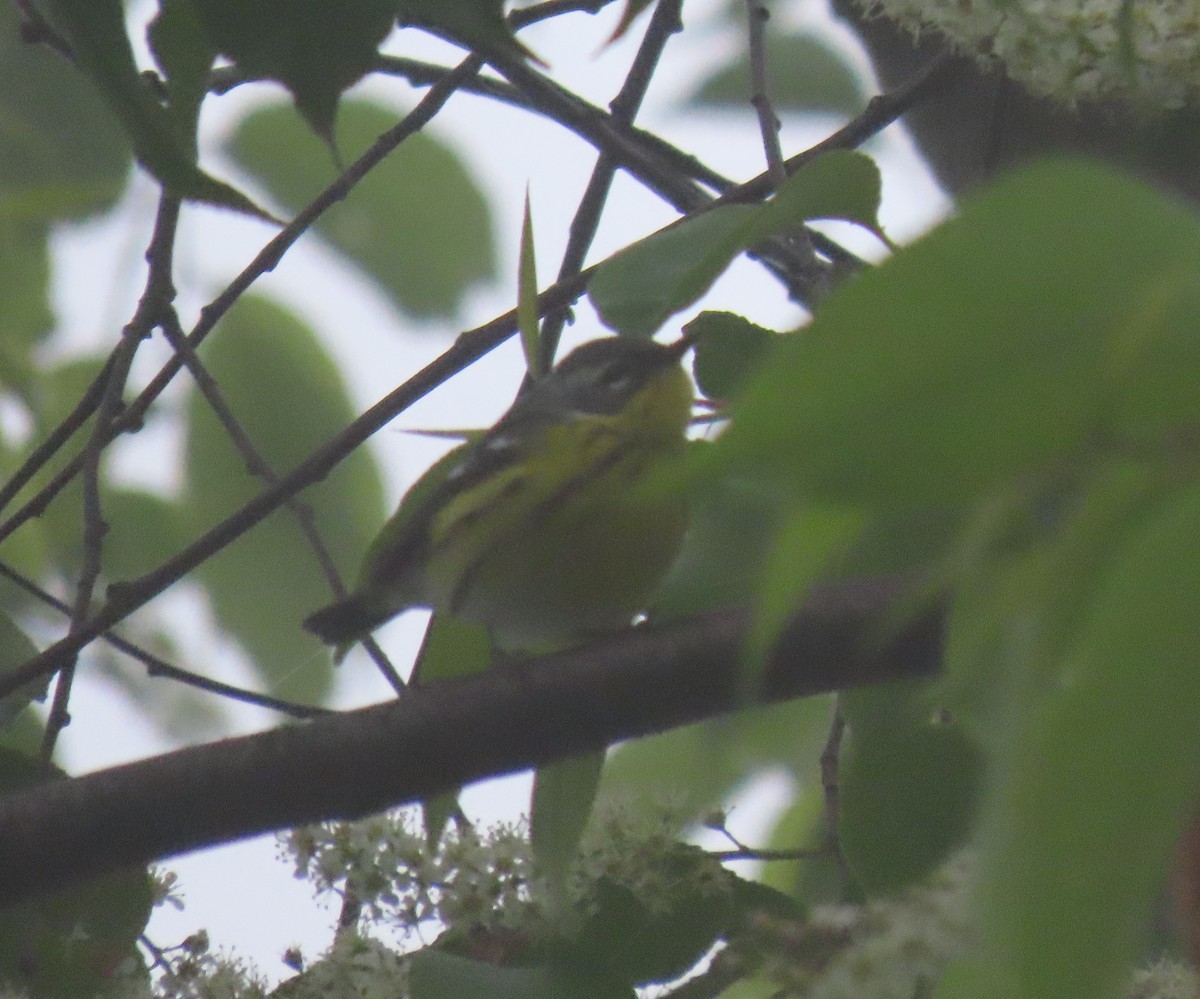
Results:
<point x="449" y="733"/>
<point x="625" y="105"/>
<point x="155" y="300"/>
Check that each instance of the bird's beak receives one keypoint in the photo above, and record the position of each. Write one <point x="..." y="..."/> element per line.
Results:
<point x="681" y="346"/>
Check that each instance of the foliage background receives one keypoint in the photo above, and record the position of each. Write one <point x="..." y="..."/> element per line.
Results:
<point x="1066" y="458"/>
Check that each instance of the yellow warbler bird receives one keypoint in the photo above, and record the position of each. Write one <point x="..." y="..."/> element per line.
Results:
<point x="554" y="524"/>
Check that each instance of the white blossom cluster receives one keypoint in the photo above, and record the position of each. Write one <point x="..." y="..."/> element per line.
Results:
<point x="1165" y="980"/>
<point x="1143" y="52"/>
<point x="482" y="880"/>
<point x="887" y="949"/>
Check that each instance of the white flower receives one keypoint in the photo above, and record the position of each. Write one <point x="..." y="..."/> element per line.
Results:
<point x="1143" y="52"/>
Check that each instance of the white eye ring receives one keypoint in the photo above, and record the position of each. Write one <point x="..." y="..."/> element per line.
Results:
<point x="617" y="382"/>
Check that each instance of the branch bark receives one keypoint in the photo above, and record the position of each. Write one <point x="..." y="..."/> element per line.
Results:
<point x="438" y="737"/>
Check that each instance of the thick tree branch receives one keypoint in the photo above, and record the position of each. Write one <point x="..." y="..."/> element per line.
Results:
<point x="446" y="734"/>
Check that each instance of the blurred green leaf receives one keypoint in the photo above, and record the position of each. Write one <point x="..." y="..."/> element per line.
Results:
<point x="1103" y="767"/>
<point x="25" y="313"/>
<point x="908" y="798"/>
<point x="563" y="795"/>
<point x="639" y="288"/>
<point x="813" y="880"/>
<point x="289" y="397"/>
<point x="699" y="767"/>
<point x="62" y="154"/>
<point x="644" y="941"/>
<point x="144" y="529"/>
<point x="417" y="223"/>
<point x="315" y="48"/>
<point x="96" y="31"/>
<point x="730" y="529"/>
<point x="1002" y="341"/>
<point x="59" y="389"/>
<point x="804" y="75"/>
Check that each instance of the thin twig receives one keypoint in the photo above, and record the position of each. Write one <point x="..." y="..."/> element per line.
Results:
<point x="751" y="853"/>
<point x="831" y="788"/>
<point x="156" y="297"/>
<point x="58" y="437"/>
<point x="257" y="465"/>
<point x="769" y="125"/>
<point x="664" y="23"/>
<point x="654" y="162"/>
<point x="158" y="667"/>
<point x="554" y="8"/>
<point x="768" y="121"/>
<point x="94" y="529"/>
<point x="266" y="260"/>
<point x="880" y="112"/>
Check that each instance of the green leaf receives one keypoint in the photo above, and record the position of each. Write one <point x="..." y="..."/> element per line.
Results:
<point x="804" y="546"/>
<point x="634" y="940"/>
<point x="1104" y="768"/>
<point x="144" y="529"/>
<point x="636" y="290"/>
<point x="62" y="155"/>
<point x="185" y="56"/>
<point x="15" y="649"/>
<point x="434" y="974"/>
<point x="908" y="798"/>
<point x="804" y="74"/>
<point x="814" y="880"/>
<point x="417" y="223"/>
<point x="728" y="348"/>
<point x="452" y="648"/>
<point x="478" y="25"/>
<point x="563" y="795"/>
<point x="25" y="313"/>
<point x="59" y="390"/>
<point x="315" y="48"/>
<point x="639" y="288"/>
<point x="1001" y="342"/>
<point x="698" y="767"/>
<point x="730" y="530"/>
<point x="840" y="184"/>
<point x="289" y="397"/>
<point x="527" y="293"/>
<point x="96" y="32"/>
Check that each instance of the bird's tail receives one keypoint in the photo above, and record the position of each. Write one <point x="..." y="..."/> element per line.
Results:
<point x="344" y="622"/>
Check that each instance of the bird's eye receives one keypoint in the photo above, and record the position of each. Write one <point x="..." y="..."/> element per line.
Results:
<point x="615" y="378"/>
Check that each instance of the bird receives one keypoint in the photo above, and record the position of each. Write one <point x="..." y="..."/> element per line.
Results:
<point x="555" y="524"/>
